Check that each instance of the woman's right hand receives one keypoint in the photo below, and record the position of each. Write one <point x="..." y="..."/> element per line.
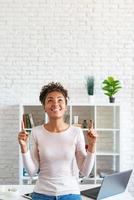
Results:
<point x="23" y="139"/>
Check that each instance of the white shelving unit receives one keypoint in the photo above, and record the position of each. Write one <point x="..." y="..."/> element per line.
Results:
<point x="106" y="119"/>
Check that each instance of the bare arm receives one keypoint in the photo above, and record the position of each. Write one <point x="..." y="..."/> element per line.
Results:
<point x="85" y="160"/>
<point x="30" y="160"/>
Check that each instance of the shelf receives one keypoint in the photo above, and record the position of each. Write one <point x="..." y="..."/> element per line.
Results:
<point x="28" y="177"/>
<point x="95" y="104"/>
<point x="28" y="129"/>
<point x="107" y="129"/>
<point x="87" y="180"/>
<point x="85" y="129"/>
<point x="99" y="178"/>
<point x="106" y="119"/>
<point x="107" y="154"/>
<point x="103" y="129"/>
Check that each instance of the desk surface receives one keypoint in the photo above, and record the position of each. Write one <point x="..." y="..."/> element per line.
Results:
<point x="6" y="192"/>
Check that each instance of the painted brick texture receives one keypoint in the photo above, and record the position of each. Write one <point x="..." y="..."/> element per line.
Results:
<point x="9" y="148"/>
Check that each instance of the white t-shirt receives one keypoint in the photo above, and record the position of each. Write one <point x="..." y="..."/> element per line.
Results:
<point x="55" y="154"/>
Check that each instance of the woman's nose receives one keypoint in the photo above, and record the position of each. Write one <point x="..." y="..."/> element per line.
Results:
<point x="55" y="102"/>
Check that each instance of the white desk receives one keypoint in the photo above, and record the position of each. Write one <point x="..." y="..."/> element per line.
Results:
<point x="5" y="194"/>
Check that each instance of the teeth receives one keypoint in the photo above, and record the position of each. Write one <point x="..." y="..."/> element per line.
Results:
<point x="55" y="109"/>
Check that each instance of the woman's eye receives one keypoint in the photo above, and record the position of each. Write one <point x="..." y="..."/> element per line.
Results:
<point x="49" y="100"/>
<point x="60" y="100"/>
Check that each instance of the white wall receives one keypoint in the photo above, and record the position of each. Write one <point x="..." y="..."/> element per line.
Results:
<point x="9" y="151"/>
<point x="65" y="40"/>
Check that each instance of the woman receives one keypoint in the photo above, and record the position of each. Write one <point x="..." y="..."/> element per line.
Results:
<point x="57" y="145"/>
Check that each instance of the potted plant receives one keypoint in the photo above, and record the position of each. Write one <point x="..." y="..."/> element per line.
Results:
<point x="90" y="86"/>
<point x="111" y="87"/>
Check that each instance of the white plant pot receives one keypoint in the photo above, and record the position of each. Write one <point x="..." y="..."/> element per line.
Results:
<point x="91" y="98"/>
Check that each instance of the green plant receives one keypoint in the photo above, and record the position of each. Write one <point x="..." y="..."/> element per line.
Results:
<point x="111" y="86"/>
<point x="90" y="85"/>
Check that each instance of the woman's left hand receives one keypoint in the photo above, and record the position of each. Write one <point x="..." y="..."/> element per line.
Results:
<point x="91" y="137"/>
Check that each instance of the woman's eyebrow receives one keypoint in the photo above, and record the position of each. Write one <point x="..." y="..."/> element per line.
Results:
<point x="53" y="97"/>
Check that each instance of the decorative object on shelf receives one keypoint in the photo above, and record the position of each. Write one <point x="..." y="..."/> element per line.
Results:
<point x="76" y="121"/>
<point x="84" y="124"/>
<point x="90" y="87"/>
<point x="111" y="87"/>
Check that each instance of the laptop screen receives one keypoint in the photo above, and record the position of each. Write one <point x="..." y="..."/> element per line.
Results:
<point x="112" y="184"/>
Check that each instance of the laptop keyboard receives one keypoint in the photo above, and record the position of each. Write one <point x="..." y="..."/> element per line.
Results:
<point x="93" y="192"/>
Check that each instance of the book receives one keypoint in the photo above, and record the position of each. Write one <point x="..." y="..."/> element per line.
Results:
<point x="24" y="121"/>
<point x="31" y="120"/>
<point x="28" y="123"/>
<point x="28" y="120"/>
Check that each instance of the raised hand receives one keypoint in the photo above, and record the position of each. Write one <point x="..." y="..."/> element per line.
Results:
<point x="23" y="138"/>
<point x="91" y="137"/>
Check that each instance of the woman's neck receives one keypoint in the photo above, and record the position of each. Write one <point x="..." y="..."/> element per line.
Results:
<point x="56" y="125"/>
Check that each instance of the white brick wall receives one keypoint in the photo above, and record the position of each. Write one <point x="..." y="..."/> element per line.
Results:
<point x="65" y="40"/>
<point x="9" y="151"/>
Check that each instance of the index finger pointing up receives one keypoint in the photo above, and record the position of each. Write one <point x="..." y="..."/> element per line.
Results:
<point x="91" y="124"/>
<point x="22" y="125"/>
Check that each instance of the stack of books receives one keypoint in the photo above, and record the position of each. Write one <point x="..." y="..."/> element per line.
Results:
<point x="28" y="120"/>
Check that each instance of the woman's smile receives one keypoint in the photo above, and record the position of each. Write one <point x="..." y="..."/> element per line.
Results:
<point x="56" y="109"/>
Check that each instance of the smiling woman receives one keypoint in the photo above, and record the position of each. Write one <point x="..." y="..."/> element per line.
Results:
<point x="54" y="99"/>
<point x="56" y="146"/>
<point x="55" y="106"/>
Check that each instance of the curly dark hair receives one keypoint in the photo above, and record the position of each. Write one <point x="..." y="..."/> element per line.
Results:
<point x="51" y="87"/>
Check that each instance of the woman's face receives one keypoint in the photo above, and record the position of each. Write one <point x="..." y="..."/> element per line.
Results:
<point x="55" y="105"/>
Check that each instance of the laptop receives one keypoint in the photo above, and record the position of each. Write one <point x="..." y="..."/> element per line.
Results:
<point x="111" y="185"/>
<point x="27" y="195"/>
